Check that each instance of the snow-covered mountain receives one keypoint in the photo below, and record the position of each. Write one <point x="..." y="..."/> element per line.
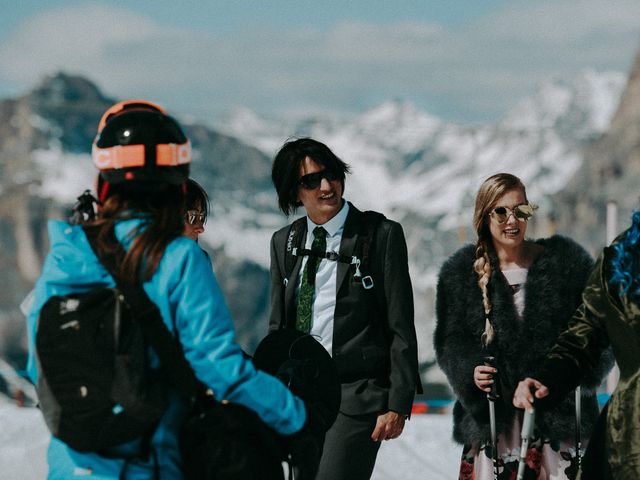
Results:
<point x="412" y="166"/>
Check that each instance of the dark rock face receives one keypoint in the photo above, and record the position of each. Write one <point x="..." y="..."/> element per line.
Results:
<point x="610" y="172"/>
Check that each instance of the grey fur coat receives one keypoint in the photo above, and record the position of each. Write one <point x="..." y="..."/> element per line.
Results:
<point x="553" y="291"/>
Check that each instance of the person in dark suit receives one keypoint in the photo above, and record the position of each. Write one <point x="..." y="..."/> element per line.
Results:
<point x="369" y="332"/>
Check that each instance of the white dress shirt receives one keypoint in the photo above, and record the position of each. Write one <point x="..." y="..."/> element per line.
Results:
<point x="324" y="299"/>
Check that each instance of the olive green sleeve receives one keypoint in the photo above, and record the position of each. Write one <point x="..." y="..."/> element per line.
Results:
<point x="578" y="349"/>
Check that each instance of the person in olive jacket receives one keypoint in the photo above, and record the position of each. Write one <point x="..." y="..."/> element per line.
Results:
<point x="608" y="315"/>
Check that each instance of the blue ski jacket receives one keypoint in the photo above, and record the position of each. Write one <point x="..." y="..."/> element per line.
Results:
<point x="185" y="289"/>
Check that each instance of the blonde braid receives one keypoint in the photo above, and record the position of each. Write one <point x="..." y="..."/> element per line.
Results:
<point x="482" y="267"/>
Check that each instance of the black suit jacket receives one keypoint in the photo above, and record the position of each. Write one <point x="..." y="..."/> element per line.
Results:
<point x="374" y="338"/>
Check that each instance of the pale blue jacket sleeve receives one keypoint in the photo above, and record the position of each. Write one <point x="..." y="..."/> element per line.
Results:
<point x="192" y="297"/>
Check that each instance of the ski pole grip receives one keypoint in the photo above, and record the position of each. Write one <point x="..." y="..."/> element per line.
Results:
<point x="527" y="424"/>
<point x="525" y="435"/>
<point x="490" y="361"/>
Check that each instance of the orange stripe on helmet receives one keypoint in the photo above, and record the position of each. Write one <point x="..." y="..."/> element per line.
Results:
<point x="128" y="105"/>
<point x="128" y="156"/>
<point x="173" y="154"/>
<point x="118" y="156"/>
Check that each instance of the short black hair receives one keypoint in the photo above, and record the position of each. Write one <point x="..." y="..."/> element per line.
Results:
<point x="286" y="169"/>
<point x="196" y="196"/>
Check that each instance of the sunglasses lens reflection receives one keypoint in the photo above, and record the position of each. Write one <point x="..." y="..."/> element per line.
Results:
<point x="520" y="212"/>
<point x="194" y="217"/>
<point x="501" y="214"/>
<point x="523" y="212"/>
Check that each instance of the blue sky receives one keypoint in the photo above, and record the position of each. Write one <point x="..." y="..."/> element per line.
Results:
<point x="462" y="60"/>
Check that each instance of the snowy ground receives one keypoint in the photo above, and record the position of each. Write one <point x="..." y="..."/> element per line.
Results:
<point x="423" y="452"/>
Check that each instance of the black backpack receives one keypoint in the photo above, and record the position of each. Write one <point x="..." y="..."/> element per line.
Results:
<point x="95" y="387"/>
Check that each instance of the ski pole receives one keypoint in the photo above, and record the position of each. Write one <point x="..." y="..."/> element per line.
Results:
<point x="527" y="432"/>
<point x="492" y="396"/>
<point x="578" y="422"/>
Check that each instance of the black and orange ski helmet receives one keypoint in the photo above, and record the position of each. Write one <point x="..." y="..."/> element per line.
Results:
<point x="139" y="144"/>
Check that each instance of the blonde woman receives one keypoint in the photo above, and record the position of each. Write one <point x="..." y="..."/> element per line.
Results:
<point x="509" y="297"/>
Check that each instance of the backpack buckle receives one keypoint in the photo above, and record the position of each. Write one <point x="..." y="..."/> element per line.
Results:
<point x="367" y="282"/>
<point x="356" y="261"/>
<point x="332" y="256"/>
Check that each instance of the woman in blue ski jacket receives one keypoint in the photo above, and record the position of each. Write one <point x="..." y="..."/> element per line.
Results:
<point x="143" y="158"/>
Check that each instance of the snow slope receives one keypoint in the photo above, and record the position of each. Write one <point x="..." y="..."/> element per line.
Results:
<point x="423" y="452"/>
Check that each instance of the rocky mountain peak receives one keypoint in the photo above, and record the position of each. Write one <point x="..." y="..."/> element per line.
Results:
<point x="610" y="173"/>
<point x="628" y="112"/>
<point x="65" y="89"/>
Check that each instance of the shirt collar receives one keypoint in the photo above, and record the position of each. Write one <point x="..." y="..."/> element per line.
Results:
<point x="334" y="225"/>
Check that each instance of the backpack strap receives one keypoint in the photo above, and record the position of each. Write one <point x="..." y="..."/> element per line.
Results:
<point x="294" y="242"/>
<point x="369" y="224"/>
<point x="148" y="316"/>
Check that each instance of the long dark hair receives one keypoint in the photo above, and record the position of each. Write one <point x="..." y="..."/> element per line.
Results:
<point x="160" y="211"/>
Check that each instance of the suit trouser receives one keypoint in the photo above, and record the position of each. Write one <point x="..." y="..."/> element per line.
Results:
<point x="349" y="453"/>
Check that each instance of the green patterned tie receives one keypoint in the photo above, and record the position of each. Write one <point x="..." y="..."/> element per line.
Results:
<point x="308" y="285"/>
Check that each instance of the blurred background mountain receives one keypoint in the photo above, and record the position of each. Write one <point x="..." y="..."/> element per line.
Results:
<point x="575" y="144"/>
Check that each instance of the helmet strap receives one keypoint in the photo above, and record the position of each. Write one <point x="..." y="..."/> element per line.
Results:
<point x="103" y="189"/>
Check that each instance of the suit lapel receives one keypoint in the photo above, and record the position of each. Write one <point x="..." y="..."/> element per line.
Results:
<point x="348" y="243"/>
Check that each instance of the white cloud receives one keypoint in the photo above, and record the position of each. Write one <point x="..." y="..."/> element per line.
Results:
<point x="71" y="38"/>
<point x="471" y="71"/>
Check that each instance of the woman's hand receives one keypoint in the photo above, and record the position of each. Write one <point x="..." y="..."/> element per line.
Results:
<point x="483" y="377"/>
<point x="527" y="390"/>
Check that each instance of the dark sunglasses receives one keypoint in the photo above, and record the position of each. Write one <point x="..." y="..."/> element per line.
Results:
<point x="194" y="216"/>
<point x="312" y="181"/>
<point x="521" y="212"/>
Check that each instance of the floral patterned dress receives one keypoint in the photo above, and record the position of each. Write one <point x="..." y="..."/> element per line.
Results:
<point x="545" y="460"/>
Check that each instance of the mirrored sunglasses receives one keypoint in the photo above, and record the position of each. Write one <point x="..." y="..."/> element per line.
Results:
<point x="312" y="181"/>
<point x="193" y="217"/>
<point x="521" y="212"/>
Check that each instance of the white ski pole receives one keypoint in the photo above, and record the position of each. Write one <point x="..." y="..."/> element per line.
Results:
<point x="492" y="396"/>
<point x="527" y="432"/>
<point x="578" y="422"/>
